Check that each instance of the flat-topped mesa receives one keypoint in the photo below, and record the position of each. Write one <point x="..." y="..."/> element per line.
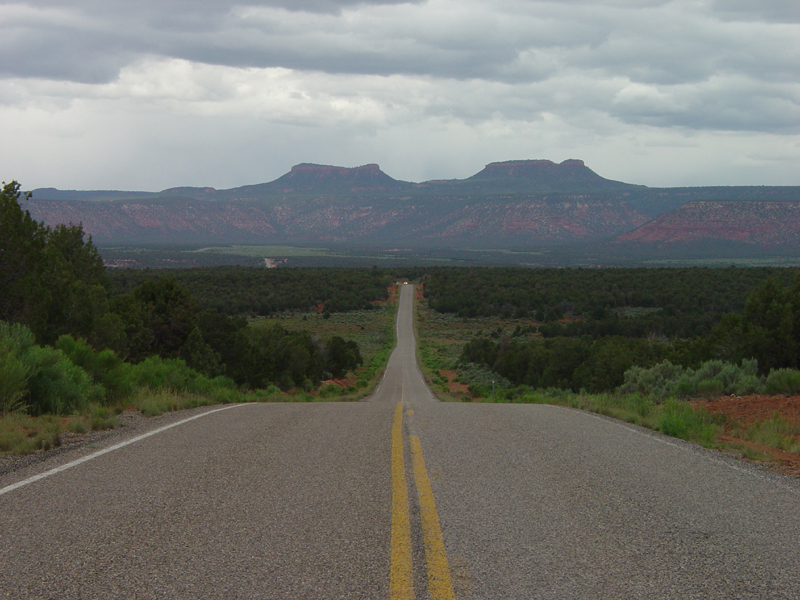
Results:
<point x="571" y="175"/>
<point x="313" y="177"/>
<point x="331" y="171"/>
<point x="535" y="168"/>
<point x="538" y="162"/>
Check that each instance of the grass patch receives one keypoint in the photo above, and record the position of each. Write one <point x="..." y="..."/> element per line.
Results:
<point x="102" y="417"/>
<point x="22" y="434"/>
<point x="775" y="433"/>
<point x="152" y="403"/>
<point x="682" y="420"/>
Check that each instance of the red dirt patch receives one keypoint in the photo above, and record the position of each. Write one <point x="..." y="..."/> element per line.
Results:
<point x="748" y="410"/>
<point x="348" y="381"/>
<point x="455" y="386"/>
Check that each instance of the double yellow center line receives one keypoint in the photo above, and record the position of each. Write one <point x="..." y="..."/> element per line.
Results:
<point x="401" y="579"/>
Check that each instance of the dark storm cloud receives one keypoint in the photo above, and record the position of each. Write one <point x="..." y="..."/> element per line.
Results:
<point x="655" y="42"/>
<point x="90" y="41"/>
<point x="571" y="69"/>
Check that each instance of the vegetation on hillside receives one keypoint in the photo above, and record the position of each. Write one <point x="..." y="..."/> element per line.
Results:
<point x="71" y="344"/>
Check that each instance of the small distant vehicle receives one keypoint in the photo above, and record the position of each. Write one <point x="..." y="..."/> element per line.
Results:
<point x="405" y="283"/>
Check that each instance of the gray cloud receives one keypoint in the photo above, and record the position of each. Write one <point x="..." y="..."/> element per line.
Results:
<point x="749" y="10"/>
<point x="660" y="42"/>
<point x="363" y="71"/>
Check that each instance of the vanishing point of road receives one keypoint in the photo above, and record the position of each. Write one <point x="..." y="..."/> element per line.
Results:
<point x="399" y="497"/>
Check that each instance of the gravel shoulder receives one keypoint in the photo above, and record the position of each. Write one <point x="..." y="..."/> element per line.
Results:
<point x="76" y="445"/>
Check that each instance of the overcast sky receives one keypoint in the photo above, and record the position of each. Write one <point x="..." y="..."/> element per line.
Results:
<point x="108" y="94"/>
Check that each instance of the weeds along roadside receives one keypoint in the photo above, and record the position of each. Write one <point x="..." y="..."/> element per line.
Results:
<point x="441" y="337"/>
<point x="167" y="385"/>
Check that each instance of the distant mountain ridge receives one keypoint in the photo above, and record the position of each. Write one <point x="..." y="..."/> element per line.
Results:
<point x="518" y="176"/>
<point x="774" y="224"/>
<point x="511" y="204"/>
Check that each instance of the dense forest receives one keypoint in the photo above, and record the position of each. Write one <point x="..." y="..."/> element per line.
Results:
<point x="589" y="327"/>
<point x="675" y="302"/>
<point x="258" y="291"/>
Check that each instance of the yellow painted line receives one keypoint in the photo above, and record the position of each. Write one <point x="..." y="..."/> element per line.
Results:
<point x="440" y="584"/>
<point x="401" y="575"/>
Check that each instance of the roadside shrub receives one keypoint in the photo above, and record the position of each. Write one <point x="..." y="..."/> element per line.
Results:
<point x="225" y="395"/>
<point x="13" y="382"/>
<point x="709" y="370"/>
<point x="170" y="374"/>
<point x="783" y="381"/>
<point x="41" y="379"/>
<point x="513" y="394"/>
<point x="710" y="387"/>
<point x="273" y="392"/>
<point x="341" y="356"/>
<point x="476" y="373"/>
<point x="77" y="425"/>
<point x="56" y="384"/>
<point x="749" y="384"/>
<point x="330" y="390"/>
<point x="479" y="390"/>
<point x="105" y="367"/>
<point x="658" y="381"/>
<point x="684" y="387"/>
<point x="14" y="341"/>
<point x="713" y="378"/>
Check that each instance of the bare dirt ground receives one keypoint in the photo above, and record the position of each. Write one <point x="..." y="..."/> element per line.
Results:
<point x="742" y="412"/>
<point x="455" y="386"/>
<point x="348" y="381"/>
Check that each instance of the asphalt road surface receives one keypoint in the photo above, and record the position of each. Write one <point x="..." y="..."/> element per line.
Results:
<point x="368" y="500"/>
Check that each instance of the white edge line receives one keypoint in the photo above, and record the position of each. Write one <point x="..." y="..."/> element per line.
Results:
<point x="84" y="459"/>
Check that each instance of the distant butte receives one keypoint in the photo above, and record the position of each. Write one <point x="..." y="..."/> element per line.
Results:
<point x="308" y="177"/>
<point x="331" y="170"/>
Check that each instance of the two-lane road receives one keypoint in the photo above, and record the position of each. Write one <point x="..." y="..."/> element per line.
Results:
<point x="306" y="501"/>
